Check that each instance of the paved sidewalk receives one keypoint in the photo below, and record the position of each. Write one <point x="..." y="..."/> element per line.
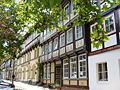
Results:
<point x="24" y="86"/>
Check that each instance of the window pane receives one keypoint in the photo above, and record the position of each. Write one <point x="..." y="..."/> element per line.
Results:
<point x="69" y="36"/>
<point x="62" y="40"/>
<point x="55" y="43"/>
<point x="105" y="67"/>
<point x="109" y="24"/>
<point x="102" y="72"/>
<point x="100" y="68"/>
<point x="65" y="69"/>
<point x="82" y="66"/>
<point x="73" y="67"/>
<point x="100" y="76"/>
<point x="67" y="9"/>
<point x="78" y="31"/>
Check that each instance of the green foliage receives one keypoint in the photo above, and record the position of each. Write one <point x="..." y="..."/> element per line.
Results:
<point x="41" y="14"/>
<point x="47" y="13"/>
<point x="10" y="29"/>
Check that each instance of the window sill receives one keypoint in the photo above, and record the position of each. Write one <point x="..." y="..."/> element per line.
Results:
<point x="102" y="82"/>
<point x="74" y="78"/>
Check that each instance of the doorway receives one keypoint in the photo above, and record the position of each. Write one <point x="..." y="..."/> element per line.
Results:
<point x="58" y="74"/>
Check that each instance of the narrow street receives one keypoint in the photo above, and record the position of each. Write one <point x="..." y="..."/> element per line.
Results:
<point x="23" y="86"/>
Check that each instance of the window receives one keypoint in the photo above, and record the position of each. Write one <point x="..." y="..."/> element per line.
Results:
<point x="102" y="72"/>
<point x="48" y="71"/>
<point x="82" y="66"/>
<point x="73" y="67"/>
<point x="93" y="27"/>
<point x="29" y="56"/>
<point x="69" y="36"/>
<point x="78" y="32"/>
<point x="46" y="49"/>
<point x="65" y="69"/>
<point x="55" y="44"/>
<point x="45" y="32"/>
<point x="42" y="51"/>
<point x="109" y="24"/>
<point x="38" y="52"/>
<point x="67" y="9"/>
<point x="72" y="7"/>
<point x="62" y="40"/>
<point x="35" y="53"/>
<point x="45" y="71"/>
<point x="24" y="58"/>
<point x="50" y="47"/>
<point x="41" y="34"/>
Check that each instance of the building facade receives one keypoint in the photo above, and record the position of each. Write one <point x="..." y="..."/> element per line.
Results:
<point x="67" y="58"/>
<point x="26" y="68"/>
<point x="6" y="69"/>
<point x="104" y="62"/>
<point x="64" y="54"/>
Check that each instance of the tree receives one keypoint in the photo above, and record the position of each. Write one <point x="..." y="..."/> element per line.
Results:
<point x="10" y="30"/>
<point x="40" y="14"/>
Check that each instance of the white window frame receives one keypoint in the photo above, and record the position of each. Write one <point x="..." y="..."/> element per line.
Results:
<point x="50" y="47"/>
<point x="67" y="63"/>
<point x="46" y="49"/>
<point x="113" y="23"/>
<point x="68" y="5"/>
<point x="72" y="8"/>
<point x="91" y="30"/>
<point x="85" y="66"/>
<point x="71" y="63"/>
<point x="45" y="32"/>
<point x="69" y="37"/>
<point x="103" y="80"/>
<point x="55" y="44"/>
<point x="48" y="71"/>
<point x="80" y="32"/>
<point x="62" y="40"/>
<point x="43" y="50"/>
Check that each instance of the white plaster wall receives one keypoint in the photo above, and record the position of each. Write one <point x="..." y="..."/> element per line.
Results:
<point x="55" y="53"/>
<point x="113" y="63"/>
<point x="62" y="50"/>
<point x="69" y="47"/>
<point x="112" y="41"/>
<point x="79" y="43"/>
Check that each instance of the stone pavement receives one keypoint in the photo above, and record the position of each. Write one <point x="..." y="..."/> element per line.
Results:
<point x="24" y="86"/>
